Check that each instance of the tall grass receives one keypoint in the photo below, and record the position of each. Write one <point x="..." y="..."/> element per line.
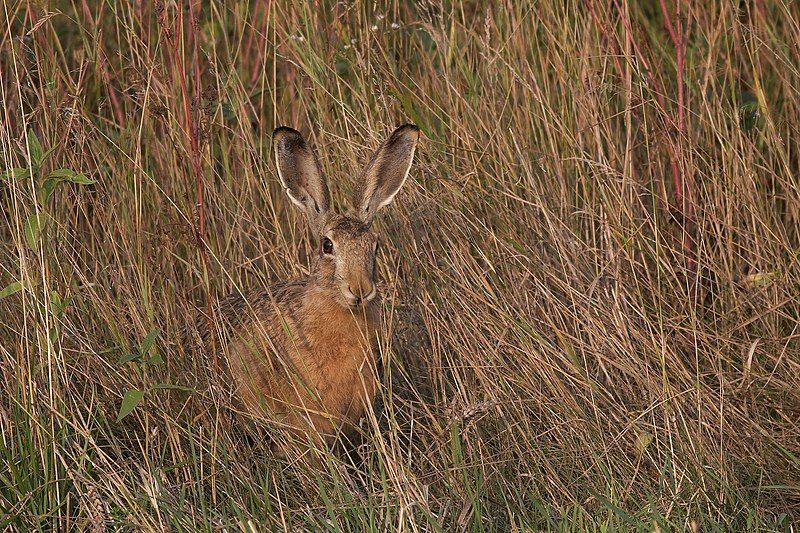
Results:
<point x="590" y="282"/>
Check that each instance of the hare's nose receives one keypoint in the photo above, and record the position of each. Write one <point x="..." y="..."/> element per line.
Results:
<point x="356" y="297"/>
<point x="362" y="292"/>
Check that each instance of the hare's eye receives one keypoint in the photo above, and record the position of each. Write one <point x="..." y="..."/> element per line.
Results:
<point x="327" y="246"/>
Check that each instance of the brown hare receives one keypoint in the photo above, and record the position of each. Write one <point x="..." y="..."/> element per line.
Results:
<point x="303" y="351"/>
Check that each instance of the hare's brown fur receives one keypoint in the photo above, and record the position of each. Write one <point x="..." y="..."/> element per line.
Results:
<point x="304" y="351"/>
<point x="309" y="359"/>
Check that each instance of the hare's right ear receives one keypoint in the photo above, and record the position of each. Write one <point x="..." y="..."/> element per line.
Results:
<point x="300" y="175"/>
<point x="385" y="173"/>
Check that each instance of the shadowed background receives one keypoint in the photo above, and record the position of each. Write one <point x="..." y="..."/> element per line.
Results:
<point x="590" y="280"/>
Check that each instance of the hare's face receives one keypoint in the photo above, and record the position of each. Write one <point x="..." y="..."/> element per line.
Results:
<point x="346" y="260"/>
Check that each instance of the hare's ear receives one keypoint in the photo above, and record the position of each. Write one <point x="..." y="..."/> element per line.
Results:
<point x="300" y="175"/>
<point x="385" y="173"/>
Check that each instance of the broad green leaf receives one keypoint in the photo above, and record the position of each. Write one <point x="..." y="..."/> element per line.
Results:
<point x="15" y="174"/>
<point x="759" y="278"/>
<point x="61" y="173"/>
<point x="156" y="359"/>
<point x="32" y="229"/>
<point x="59" y="305"/>
<point x="749" y="111"/>
<point x="148" y="341"/>
<point x="67" y="174"/>
<point x="35" y="147"/>
<point x="129" y="402"/>
<point x="643" y="440"/>
<point x="109" y="350"/>
<point x="80" y="179"/>
<point x="47" y="154"/>
<point x="56" y="305"/>
<point x="612" y="507"/>
<point x="228" y="112"/>
<point x="127" y="358"/>
<point x="12" y="288"/>
<point x="47" y="189"/>
<point x="169" y="386"/>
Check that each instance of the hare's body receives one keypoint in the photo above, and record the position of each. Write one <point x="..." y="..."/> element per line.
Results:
<point x="304" y="351"/>
<point x="303" y="357"/>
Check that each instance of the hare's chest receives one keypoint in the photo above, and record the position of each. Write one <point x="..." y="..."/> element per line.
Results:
<point x="344" y="365"/>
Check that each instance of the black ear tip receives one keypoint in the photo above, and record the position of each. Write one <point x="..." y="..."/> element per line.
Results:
<point x="286" y="138"/>
<point x="406" y="130"/>
<point x="285" y="131"/>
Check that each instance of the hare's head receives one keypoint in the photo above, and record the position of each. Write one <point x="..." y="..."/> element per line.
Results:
<point x="346" y="247"/>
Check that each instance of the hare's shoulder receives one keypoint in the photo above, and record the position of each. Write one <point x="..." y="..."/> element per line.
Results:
<point x="236" y="309"/>
<point x="257" y="303"/>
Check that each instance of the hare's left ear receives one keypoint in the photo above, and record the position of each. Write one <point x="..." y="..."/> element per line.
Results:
<point x="300" y="175"/>
<point x="385" y="173"/>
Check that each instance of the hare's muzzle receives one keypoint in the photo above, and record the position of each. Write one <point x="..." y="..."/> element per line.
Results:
<point x="359" y="292"/>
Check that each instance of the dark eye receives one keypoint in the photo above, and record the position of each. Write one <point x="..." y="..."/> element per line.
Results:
<point x="327" y="246"/>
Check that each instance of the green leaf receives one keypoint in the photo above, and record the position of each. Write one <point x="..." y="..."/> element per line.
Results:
<point x="36" y="148"/>
<point x="643" y="440"/>
<point x="61" y="173"/>
<point x="228" y="112"/>
<point x="15" y="174"/>
<point x="169" y="386"/>
<point x="109" y="350"/>
<point x="616" y="509"/>
<point x="47" y="189"/>
<point x="757" y="279"/>
<point x="12" y="288"/>
<point x="80" y="179"/>
<point x="148" y="341"/>
<point x="127" y="358"/>
<point x="749" y="111"/>
<point x="156" y="359"/>
<point x="67" y="174"/>
<point x="66" y="302"/>
<point x="129" y="402"/>
<point x="56" y="305"/>
<point x="47" y="154"/>
<point x="33" y="227"/>
<point x="59" y="305"/>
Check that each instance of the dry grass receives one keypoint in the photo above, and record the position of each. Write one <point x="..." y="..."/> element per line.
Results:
<point x="591" y="280"/>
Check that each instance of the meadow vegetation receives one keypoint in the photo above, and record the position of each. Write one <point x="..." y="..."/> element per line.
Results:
<point x="590" y="281"/>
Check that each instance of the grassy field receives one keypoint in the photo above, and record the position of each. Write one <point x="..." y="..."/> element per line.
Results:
<point x="591" y="281"/>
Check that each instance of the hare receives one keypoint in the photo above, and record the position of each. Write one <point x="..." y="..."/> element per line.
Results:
<point x="303" y="351"/>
